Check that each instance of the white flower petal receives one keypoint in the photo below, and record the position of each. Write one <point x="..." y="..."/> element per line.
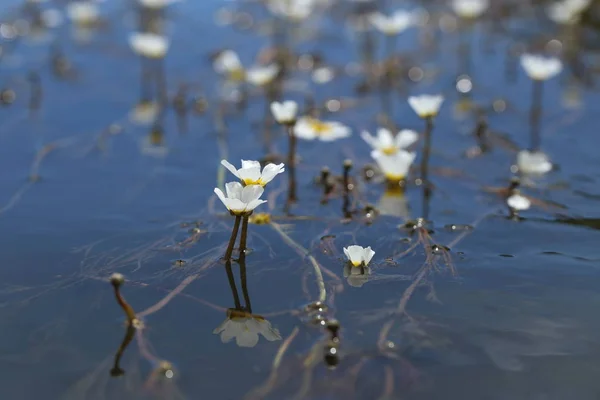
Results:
<point x="368" y="254"/>
<point x="426" y="105"/>
<point x="270" y="171"/>
<point x="534" y="163"/>
<point x="247" y="339"/>
<point x="405" y="138"/>
<point x="518" y="202"/>
<point x="251" y="193"/>
<point x="470" y="8"/>
<point x="540" y="68"/>
<point x="149" y="44"/>
<point x="395" y="166"/>
<point x="355" y="254"/>
<point x="230" y="167"/>
<point x="234" y="190"/>
<point x="304" y="130"/>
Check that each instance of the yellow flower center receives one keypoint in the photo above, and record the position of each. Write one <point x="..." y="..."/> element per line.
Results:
<point x="356" y="263"/>
<point x="389" y="151"/>
<point x="260" y="219"/>
<point x="319" y="127"/>
<point x="394" y="179"/>
<point x="258" y="181"/>
<point x="237" y="75"/>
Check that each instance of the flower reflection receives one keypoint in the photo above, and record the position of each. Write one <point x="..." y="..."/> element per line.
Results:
<point x="245" y="328"/>
<point x="393" y="203"/>
<point x="356" y="276"/>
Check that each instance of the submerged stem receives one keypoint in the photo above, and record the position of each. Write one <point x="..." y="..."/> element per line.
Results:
<point x="124" y="304"/>
<point x="535" y="114"/>
<point x="292" y="197"/>
<point x="425" y="166"/>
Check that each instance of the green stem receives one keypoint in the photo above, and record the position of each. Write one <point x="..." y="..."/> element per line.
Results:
<point x="234" y="232"/>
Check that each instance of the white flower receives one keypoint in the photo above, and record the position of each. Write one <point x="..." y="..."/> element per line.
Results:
<point x="393" y="24"/>
<point x="245" y="328"/>
<point x="356" y="277"/>
<point x="286" y="112"/>
<point x="562" y="13"/>
<point x="322" y="75"/>
<point x="241" y="199"/>
<point x="358" y="255"/>
<point x="83" y="12"/>
<point x="470" y="8"/>
<point x="52" y="18"/>
<point x="386" y="143"/>
<point x="261" y="76"/>
<point x="426" y="105"/>
<point x="309" y="128"/>
<point x="149" y="44"/>
<point x="295" y="9"/>
<point x="156" y="4"/>
<point x="533" y="163"/>
<point x="518" y="202"/>
<point x="228" y="62"/>
<point x="144" y="113"/>
<point x="250" y="173"/>
<point x="540" y="68"/>
<point x="395" y="167"/>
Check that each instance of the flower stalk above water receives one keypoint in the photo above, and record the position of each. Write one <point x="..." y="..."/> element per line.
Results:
<point x="286" y="114"/>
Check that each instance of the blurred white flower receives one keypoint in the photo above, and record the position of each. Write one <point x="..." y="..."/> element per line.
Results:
<point x="144" y="113"/>
<point x="358" y="255"/>
<point x="394" y="24"/>
<point x="540" y="68"/>
<point x="470" y="8"/>
<point x="518" y="202"/>
<point x="286" y="112"/>
<point x="562" y="12"/>
<point x="245" y="328"/>
<point x="426" y="105"/>
<point x="240" y="199"/>
<point x="262" y="75"/>
<point x="386" y="143"/>
<point x="156" y="4"/>
<point x="296" y="10"/>
<point x="83" y="12"/>
<point x="149" y="45"/>
<point x="322" y="75"/>
<point x="250" y="173"/>
<point x="309" y="128"/>
<point x="356" y="277"/>
<point x="52" y="18"/>
<point x="395" y="167"/>
<point x="228" y="63"/>
<point x="533" y="163"/>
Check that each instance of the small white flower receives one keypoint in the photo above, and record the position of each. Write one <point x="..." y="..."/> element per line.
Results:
<point x="578" y="5"/>
<point x="533" y="163"/>
<point x="250" y="173"/>
<point x="356" y="277"/>
<point x="562" y="13"/>
<point x="426" y="105"/>
<point x="540" y="68"/>
<point x="386" y="143"/>
<point x="245" y="328"/>
<point x="241" y="199"/>
<point x="322" y="75"/>
<point x="261" y="76"/>
<point x="156" y="4"/>
<point x="83" y="12"/>
<point x="144" y="113"/>
<point x="228" y="62"/>
<point x="52" y="18"/>
<point x="149" y="44"/>
<point x="470" y="8"/>
<point x="394" y="24"/>
<point x="285" y="113"/>
<point x="518" y="202"/>
<point x="395" y="167"/>
<point x="358" y="255"/>
<point x="309" y="128"/>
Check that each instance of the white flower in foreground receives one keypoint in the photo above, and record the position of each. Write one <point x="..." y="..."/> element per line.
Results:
<point x="149" y="44"/>
<point x="83" y="12"/>
<point x="250" y="173"/>
<point x="533" y="163"/>
<point x="395" y="167"/>
<point x="358" y="255"/>
<point x="245" y="328"/>
<point x="426" y="105"/>
<point x="393" y="24"/>
<point x="309" y="128"/>
<point x="240" y="199"/>
<point x="156" y="4"/>
<point x="470" y="8"/>
<point x="540" y="68"/>
<point x="285" y="113"/>
<point x="356" y="277"/>
<point x="386" y="143"/>
<point x="261" y="76"/>
<point x="518" y="202"/>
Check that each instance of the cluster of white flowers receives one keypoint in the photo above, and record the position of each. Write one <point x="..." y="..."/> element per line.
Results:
<point x="243" y="198"/>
